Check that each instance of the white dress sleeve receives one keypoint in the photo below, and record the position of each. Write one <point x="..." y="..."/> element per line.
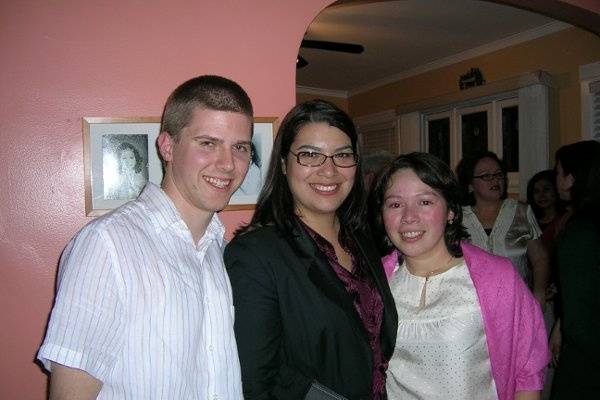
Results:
<point x="536" y="231"/>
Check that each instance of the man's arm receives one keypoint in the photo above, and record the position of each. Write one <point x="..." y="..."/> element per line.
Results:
<point x="72" y="384"/>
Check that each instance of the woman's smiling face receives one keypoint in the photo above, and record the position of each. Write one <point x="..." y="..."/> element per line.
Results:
<point x="543" y="194"/>
<point x="415" y="216"/>
<point x="319" y="190"/>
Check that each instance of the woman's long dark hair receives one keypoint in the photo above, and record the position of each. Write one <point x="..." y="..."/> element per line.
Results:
<point x="577" y="159"/>
<point x="582" y="161"/>
<point x="275" y="205"/>
<point x="435" y="174"/>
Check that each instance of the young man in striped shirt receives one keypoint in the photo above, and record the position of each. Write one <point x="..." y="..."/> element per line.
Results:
<point x="143" y="307"/>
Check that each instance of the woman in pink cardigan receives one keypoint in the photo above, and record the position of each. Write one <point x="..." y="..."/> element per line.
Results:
<point x="468" y="326"/>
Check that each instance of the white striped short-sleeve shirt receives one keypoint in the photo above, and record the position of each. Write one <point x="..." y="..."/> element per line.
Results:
<point x="144" y="309"/>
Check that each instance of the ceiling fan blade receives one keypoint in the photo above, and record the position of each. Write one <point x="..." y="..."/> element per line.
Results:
<point x="332" y="46"/>
<point x="301" y="62"/>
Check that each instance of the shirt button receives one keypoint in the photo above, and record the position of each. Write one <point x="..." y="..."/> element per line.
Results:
<point x="210" y="348"/>
<point x="215" y="397"/>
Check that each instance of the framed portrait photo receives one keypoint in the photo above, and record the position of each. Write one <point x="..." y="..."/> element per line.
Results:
<point x="262" y="145"/>
<point x="119" y="158"/>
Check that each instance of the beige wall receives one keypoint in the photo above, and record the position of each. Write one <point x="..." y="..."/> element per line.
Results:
<point x="559" y="54"/>
<point x="341" y="102"/>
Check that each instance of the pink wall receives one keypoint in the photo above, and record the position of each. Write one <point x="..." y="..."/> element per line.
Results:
<point x="63" y="60"/>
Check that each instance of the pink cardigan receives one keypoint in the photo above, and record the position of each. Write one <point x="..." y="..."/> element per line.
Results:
<point x="512" y="320"/>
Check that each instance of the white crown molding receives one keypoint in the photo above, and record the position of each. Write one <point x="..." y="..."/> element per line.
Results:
<point x="466" y="55"/>
<point x="322" y="92"/>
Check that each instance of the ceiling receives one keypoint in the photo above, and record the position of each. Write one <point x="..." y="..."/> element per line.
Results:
<point x="409" y="36"/>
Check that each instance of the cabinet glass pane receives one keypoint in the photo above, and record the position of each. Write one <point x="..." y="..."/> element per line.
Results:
<point x="510" y="138"/>
<point x="439" y="138"/>
<point x="474" y="133"/>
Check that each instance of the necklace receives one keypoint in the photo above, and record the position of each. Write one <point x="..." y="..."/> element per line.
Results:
<point x="428" y="275"/>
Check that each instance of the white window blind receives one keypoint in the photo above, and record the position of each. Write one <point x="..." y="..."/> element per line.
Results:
<point x="589" y="78"/>
<point x="378" y="132"/>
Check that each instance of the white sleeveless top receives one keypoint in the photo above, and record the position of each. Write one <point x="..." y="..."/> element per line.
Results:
<point x="514" y="227"/>
<point x="441" y="350"/>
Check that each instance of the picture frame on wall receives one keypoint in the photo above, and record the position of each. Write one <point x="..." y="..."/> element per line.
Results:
<point x="120" y="157"/>
<point x="262" y="146"/>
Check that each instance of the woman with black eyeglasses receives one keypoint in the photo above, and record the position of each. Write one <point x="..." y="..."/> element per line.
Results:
<point x="501" y="225"/>
<point x="314" y="315"/>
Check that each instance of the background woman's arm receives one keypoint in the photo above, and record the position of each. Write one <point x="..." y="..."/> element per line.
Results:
<point x="539" y="261"/>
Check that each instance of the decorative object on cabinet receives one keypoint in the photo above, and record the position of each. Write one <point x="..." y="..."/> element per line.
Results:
<point x="472" y="78"/>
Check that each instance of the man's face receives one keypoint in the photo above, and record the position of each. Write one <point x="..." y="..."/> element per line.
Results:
<point x="209" y="160"/>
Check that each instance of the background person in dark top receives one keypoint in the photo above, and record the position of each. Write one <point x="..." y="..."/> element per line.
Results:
<point x="578" y="253"/>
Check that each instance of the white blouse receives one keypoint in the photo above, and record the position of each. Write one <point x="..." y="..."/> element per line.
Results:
<point x="441" y="350"/>
<point x="513" y="228"/>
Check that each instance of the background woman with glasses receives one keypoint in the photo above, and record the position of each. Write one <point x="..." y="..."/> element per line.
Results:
<point x="313" y="310"/>
<point x="501" y="225"/>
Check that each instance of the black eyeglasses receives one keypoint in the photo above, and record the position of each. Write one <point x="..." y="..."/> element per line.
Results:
<point x="488" y="177"/>
<point x="314" y="159"/>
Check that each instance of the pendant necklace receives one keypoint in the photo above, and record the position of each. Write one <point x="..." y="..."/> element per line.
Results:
<point x="429" y="274"/>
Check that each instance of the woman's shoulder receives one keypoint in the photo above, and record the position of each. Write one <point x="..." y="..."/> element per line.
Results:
<point x="518" y="205"/>
<point x="469" y="219"/>
<point x="483" y="262"/>
<point x="260" y="243"/>
<point x="257" y="236"/>
<point x="511" y="204"/>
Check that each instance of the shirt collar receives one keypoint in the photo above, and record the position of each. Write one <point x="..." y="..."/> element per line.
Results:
<point x="163" y="214"/>
<point x="215" y="230"/>
<point x="159" y="206"/>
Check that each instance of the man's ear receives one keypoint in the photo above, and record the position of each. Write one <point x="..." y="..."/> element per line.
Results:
<point x="165" y="146"/>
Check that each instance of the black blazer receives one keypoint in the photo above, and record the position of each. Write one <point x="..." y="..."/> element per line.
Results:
<point x="294" y="320"/>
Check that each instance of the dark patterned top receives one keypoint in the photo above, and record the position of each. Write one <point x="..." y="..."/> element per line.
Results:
<point x="366" y="298"/>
